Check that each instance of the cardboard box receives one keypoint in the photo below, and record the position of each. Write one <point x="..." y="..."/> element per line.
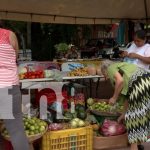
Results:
<point x="101" y="143"/>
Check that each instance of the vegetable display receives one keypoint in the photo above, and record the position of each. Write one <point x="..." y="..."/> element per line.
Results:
<point x="112" y="128"/>
<point x="32" y="126"/>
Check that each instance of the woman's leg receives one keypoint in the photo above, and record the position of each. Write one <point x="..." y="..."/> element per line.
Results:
<point x="16" y="131"/>
<point x="137" y="116"/>
<point x="15" y="126"/>
<point x="134" y="146"/>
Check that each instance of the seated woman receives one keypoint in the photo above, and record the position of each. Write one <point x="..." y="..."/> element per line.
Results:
<point x="72" y="53"/>
<point x="134" y="83"/>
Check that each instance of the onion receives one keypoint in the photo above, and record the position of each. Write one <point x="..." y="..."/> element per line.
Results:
<point x="55" y="126"/>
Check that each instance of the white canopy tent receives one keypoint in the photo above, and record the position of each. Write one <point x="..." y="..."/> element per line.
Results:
<point x="75" y="11"/>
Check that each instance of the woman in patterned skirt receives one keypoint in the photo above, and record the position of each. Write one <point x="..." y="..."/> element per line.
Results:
<point x="134" y="83"/>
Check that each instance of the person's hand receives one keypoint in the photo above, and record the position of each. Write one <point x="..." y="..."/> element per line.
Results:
<point x="133" y="55"/>
<point x="124" y="54"/>
<point x="112" y="101"/>
<point x="121" y="118"/>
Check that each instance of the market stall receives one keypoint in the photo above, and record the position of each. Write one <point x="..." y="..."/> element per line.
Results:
<point x="77" y="117"/>
<point x="57" y="12"/>
<point x="82" y="119"/>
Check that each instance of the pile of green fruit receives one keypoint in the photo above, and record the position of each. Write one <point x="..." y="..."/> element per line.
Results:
<point x="32" y="126"/>
<point x="105" y="107"/>
<point x="76" y="122"/>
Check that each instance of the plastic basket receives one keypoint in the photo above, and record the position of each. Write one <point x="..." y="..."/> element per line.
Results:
<point x="69" y="139"/>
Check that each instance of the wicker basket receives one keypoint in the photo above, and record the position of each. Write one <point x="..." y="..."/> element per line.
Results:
<point x="106" y="114"/>
<point x="31" y="138"/>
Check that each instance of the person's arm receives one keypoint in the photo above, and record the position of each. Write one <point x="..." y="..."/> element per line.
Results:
<point x="118" y="87"/>
<point x="142" y="58"/>
<point x="122" y="117"/>
<point x="14" y="42"/>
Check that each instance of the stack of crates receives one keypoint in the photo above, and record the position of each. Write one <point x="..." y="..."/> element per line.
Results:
<point x="69" y="139"/>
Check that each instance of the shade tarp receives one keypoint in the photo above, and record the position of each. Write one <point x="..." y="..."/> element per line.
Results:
<point x="75" y="11"/>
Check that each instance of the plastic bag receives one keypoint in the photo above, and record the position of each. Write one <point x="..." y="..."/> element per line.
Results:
<point x="112" y="128"/>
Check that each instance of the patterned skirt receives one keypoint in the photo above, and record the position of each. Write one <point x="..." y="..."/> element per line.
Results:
<point x="137" y="117"/>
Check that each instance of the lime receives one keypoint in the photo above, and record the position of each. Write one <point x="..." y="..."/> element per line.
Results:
<point x="31" y="133"/>
<point x="36" y="127"/>
<point x="42" y="129"/>
<point x="36" y="132"/>
<point x="32" y="128"/>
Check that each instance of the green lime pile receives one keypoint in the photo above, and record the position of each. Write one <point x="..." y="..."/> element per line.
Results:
<point x="105" y="107"/>
<point x="32" y="126"/>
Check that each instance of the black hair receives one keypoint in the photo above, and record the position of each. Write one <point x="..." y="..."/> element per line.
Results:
<point x="141" y="34"/>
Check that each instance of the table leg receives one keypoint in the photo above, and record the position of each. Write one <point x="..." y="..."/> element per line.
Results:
<point x="90" y="87"/>
<point x="97" y="84"/>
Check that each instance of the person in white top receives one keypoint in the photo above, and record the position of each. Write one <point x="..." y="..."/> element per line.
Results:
<point x="139" y="51"/>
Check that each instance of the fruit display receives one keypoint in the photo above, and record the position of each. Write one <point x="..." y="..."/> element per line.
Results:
<point x="32" y="75"/>
<point x="33" y="126"/>
<point x="76" y="122"/>
<point x="78" y="72"/>
<point x="104" y="107"/>
<point x="90" y="101"/>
